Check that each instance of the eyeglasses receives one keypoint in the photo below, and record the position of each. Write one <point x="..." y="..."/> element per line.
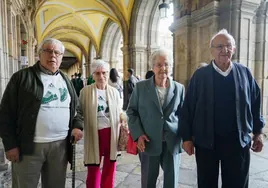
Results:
<point x="50" y="52"/>
<point x="99" y="73"/>
<point x="221" y="47"/>
<point x="158" y="65"/>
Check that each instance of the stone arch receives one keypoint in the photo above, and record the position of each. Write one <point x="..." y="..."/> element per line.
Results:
<point x="142" y="21"/>
<point x="50" y="33"/>
<point x="143" y="36"/>
<point x="72" y="41"/>
<point x="122" y="21"/>
<point x="110" y="41"/>
<point x="115" y="45"/>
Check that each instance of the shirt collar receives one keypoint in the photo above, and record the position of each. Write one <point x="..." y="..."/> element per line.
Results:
<point x="223" y="73"/>
<point x="46" y="71"/>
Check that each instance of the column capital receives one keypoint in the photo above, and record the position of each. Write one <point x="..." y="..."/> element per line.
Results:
<point x="138" y="48"/>
<point x="249" y="7"/>
<point x="125" y="49"/>
<point x="183" y="22"/>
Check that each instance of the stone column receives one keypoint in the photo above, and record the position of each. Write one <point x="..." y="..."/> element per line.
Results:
<point x="87" y="69"/>
<point x="192" y="34"/>
<point x="10" y="40"/>
<point x="83" y="72"/>
<point x="2" y="48"/>
<point x="126" y="65"/>
<point x="19" y="43"/>
<point x="23" y="50"/>
<point x="261" y="55"/>
<point x="139" y="60"/>
<point x="126" y="60"/>
<point x="3" y="71"/>
<point x="31" y="45"/>
<point x="15" y="28"/>
<point x="114" y="64"/>
<point x="182" y="33"/>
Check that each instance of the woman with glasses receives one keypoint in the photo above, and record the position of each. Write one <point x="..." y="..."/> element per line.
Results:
<point x="99" y="104"/>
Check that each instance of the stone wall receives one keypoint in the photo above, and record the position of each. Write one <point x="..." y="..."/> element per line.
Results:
<point x="15" y="22"/>
<point x="246" y="20"/>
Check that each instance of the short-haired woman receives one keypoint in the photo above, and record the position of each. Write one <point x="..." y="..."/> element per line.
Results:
<point x="99" y="104"/>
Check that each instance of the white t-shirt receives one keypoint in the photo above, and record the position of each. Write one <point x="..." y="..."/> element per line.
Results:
<point x="54" y="114"/>
<point x="103" y="114"/>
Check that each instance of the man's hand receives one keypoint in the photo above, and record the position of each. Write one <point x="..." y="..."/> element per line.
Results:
<point x="78" y="134"/>
<point x="141" y="143"/>
<point x="188" y="146"/>
<point x="257" y="143"/>
<point x="13" y="155"/>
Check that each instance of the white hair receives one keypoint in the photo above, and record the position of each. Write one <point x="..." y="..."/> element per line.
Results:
<point x="225" y="33"/>
<point x="50" y="41"/>
<point x="160" y="53"/>
<point x="99" y="63"/>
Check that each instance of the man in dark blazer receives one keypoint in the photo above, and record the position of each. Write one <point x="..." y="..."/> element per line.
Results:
<point x="153" y="122"/>
<point x="222" y="108"/>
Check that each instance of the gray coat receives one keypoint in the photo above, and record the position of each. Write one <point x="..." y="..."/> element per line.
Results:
<point x="146" y="116"/>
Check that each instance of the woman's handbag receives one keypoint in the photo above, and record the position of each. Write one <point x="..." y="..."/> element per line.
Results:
<point x="131" y="146"/>
<point x="123" y="137"/>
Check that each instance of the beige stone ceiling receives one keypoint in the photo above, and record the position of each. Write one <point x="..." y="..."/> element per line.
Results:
<point x="79" y="23"/>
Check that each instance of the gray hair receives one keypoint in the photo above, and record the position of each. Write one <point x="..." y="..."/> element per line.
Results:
<point x="160" y="53"/>
<point x="50" y="41"/>
<point x="99" y="63"/>
<point x="225" y="33"/>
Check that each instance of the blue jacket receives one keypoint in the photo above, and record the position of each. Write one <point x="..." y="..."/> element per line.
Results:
<point x="197" y="117"/>
<point x="146" y="116"/>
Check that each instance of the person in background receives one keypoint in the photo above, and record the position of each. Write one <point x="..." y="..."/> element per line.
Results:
<point x="149" y="74"/>
<point x="222" y="108"/>
<point x="153" y="119"/>
<point x="130" y="84"/>
<point x="90" y="80"/>
<point x="101" y="111"/>
<point x="37" y="118"/>
<point x="79" y="84"/>
<point x="116" y="82"/>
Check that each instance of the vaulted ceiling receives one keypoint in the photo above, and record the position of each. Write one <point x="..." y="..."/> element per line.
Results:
<point x="80" y="23"/>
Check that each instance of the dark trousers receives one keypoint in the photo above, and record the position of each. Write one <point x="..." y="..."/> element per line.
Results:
<point x="170" y="163"/>
<point x="234" y="161"/>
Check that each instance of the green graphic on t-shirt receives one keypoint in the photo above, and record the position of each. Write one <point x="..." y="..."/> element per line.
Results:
<point x="63" y="94"/>
<point x="49" y="97"/>
<point x="100" y="108"/>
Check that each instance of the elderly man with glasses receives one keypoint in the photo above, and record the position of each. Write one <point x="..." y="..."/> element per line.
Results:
<point x="37" y="118"/>
<point x="222" y="108"/>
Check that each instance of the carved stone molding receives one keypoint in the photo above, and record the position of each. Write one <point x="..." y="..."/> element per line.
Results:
<point x="207" y="11"/>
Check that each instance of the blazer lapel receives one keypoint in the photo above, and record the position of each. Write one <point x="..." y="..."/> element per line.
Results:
<point x="237" y="78"/>
<point x="153" y="93"/>
<point x="209" y="82"/>
<point x="170" y="93"/>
